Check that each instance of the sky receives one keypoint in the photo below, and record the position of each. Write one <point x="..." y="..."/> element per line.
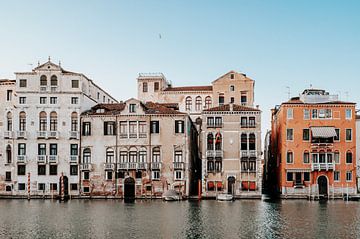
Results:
<point x="279" y="44"/>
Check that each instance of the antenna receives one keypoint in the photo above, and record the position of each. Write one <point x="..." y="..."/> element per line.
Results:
<point x="288" y="91"/>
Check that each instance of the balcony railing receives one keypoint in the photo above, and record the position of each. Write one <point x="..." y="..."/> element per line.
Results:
<point x="21" y="134"/>
<point x="43" y="88"/>
<point x="215" y="125"/>
<point x="132" y="165"/>
<point x="248" y="154"/>
<point x="133" y="135"/>
<point x="214" y="153"/>
<point x="142" y="135"/>
<point x="41" y="159"/>
<point x="53" y="88"/>
<point x="85" y="167"/>
<point x="53" y="159"/>
<point x="53" y="134"/>
<point x="74" y="135"/>
<point x="122" y="166"/>
<point x="322" y="166"/>
<point x="8" y="134"/>
<point x="21" y="159"/>
<point x="248" y="125"/>
<point x="141" y="165"/>
<point x="109" y="166"/>
<point x="155" y="165"/>
<point x="179" y="165"/>
<point x="123" y="135"/>
<point x="42" y="134"/>
<point x="74" y="159"/>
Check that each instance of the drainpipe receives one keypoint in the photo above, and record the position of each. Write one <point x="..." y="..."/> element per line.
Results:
<point x="79" y="155"/>
<point x="116" y="154"/>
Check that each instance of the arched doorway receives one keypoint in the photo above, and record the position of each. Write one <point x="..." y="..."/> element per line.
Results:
<point x="323" y="185"/>
<point x="231" y="184"/>
<point x="129" y="189"/>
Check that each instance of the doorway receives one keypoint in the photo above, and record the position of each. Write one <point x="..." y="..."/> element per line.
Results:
<point x="323" y="185"/>
<point x="129" y="189"/>
<point x="231" y="184"/>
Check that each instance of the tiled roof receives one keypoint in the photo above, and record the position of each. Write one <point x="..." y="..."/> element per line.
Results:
<point x="156" y="108"/>
<point x="235" y="108"/>
<point x="296" y="100"/>
<point x="7" y="81"/>
<point x="174" y="106"/>
<point x="109" y="109"/>
<point x="190" y="88"/>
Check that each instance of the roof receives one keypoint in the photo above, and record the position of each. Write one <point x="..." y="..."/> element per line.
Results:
<point x="323" y="132"/>
<point x="7" y="81"/>
<point x="190" y="88"/>
<point x="296" y="100"/>
<point x="156" y="108"/>
<point x="235" y="108"/>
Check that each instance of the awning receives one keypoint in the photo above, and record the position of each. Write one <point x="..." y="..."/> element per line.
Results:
<point x="323" y="132"/>
<point x="219" y="184"/>
<point x="211" y="185"/>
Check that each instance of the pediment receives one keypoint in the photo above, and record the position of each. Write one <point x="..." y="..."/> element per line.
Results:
<point x="48" y="66"/>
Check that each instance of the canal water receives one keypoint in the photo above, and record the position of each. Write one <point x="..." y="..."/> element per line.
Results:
<point x="158" y="219"/>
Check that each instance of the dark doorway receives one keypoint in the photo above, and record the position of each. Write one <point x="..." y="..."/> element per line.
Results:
<point x="297" y="178"/>
<point x="323" y="185"/>
<point x="129" y="189"/>
<point x="66" y="187"/>
<point x="231" y="184"/>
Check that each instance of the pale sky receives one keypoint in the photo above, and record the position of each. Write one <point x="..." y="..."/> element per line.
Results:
<point x="276" y="43"/>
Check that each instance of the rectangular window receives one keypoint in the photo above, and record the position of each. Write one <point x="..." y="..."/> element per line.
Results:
<point x="145" y="87"/>
<point x="8" y="176"/>
<point x="179" y="126"/>
<point x="21" y="186"/>
<point x="289" y="157"/>
<point x="21" y="169"/>
<point x="348" y="134"/>
<point x="289" y="177"/>
<point x="53" y="186"/>
<point x="109" y="128"/>
<point x="53" y="149"/>
<point x="104" y="100"/>
<point x="336" y="176"/>
<point x="22" y="149"/>
<point x="178" y="156"/>
<point x="8" y="95"/>
<point x="42" y="100"/>
<point x="337" y="137"/>
<point x="221" y="100"/>
<point x="74" y="100"/>
<point x="23" y="83"/>
<point x="41" y="149"/>
<point x="74" y="83"/>
<point x="53" y="100"/>
<point x="290" y="113"/>
<point x="314" y="114"/>
<point x="74" y="149"/>
<point x="306" y="134"/>
<point x="306" y="114"/>
<point x="73" y="170"/>
<point x="156" y="86"/>
<point x="53" y="169"/>
<point x="348" y="114"/>
<point x="155" y="175"/>
<point x="289" y="134"/>
<point x="348" y="176"/>
<point x="123" y="129"/>
<point x="22" y="100"/>
<point x="41" y="169"/>
<point x="306" y="158"/>
<point x="86" y="176"/>
<point x="306" y="176"/>
<point x="73" y="186"/>
<point x="132" y="108"/>
<point x="154" y="127"/>
<point x="41" y="186"/>
<point x="243" y="99"/>
<point x="109" y="175"/>
<point x="142" y="129"/>
<point x="86" y="129"/>
<point x="337" y="157"/>
<point x="86" y="189"/>
<point x="349" y="157"/>
<point x="133" y="129"/>
<point x="178" y="175"/>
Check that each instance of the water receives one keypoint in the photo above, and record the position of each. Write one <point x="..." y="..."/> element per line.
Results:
<point x="157" y="219"/>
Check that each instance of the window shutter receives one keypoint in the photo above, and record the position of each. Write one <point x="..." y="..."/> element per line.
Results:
<point x="182" y="126"/>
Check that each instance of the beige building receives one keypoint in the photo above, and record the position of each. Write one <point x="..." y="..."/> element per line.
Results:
<point x="132" y="149"/>
<point x="231" y="151"/>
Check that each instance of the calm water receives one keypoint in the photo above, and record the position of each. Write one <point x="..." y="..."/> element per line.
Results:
<point x="157" y="219"/>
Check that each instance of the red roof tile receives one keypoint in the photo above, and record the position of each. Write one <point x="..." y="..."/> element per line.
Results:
<point x="190" y="88"/>
<point x="235" y="108"/>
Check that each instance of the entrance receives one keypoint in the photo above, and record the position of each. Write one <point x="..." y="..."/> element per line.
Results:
<point x="323" y="185"/>
<point x="297" y="178"/>
<point x="129" y="189"/>
<point x="231" y="184"/>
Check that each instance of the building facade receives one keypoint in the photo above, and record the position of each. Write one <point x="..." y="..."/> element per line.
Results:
<point x="132" y="149"/>
<point x="42" y="132"/>
<point x="313" y="141"/>
<point x="358" y="152"/>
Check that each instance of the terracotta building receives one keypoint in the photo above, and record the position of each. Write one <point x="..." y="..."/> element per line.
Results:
<point x="313" y="145"/>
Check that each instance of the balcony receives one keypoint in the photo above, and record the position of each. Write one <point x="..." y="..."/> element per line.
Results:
<point x="53" y="159"/>
<point x="74" y="135"/>
<point x="43" y="88"/>
<point x="141" y="166"/>
<point x="248" y="154"/>
<point x="133" y="135"/>
<point x="41" y="159"/>
<point x="85" y="167"/>
<point x="122" y="166"/>
<point x="21" y="134"/>
<point x="123" y="135"/>
<point x="142" y="135"/>
<point x="248" y="125"/>
<point x="8" y="134"/>
<point x="53" y="134"/>
<point x="21" y="159"/>
<point x="74" y="159"/>
<point x="132" y="165"/>
<point x="214" y="153"/>
<point x="155" y="166"/>
<point x="214" y="125"/>
<point x="109" y="166"/>
<point x="42" y="134"/>
<point x="322" y="166"/>
<point x="179" y="165"/>
<point x="54" y="89"/>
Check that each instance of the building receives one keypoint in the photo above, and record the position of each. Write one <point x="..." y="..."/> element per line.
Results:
<point x="313" y="141"/>
<point x="358" y="152"/>
<point x="135" y="149"/>
<point x="231" y="151"/>
<point x="42" y="118"/>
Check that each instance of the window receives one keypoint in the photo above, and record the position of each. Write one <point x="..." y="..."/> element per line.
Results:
<point x="53" y="100"/>
<point x="243" y="99"/>
<point x="133" y="129"/>
<point x="252" y="141"/>
<point x="86" y="156"/>
<point x="21" y="149"/>
<point x="53" y="186"/>
<point x="109" y="128"/>
<point x="8" y="176"/>
<point x="336" y="176"/>
<point x="210" y="142"/>
<point x="123" y="129"/>
<point x="232" y="76"/>
<point x="198" y="103"/>
<point x="8" y="154"/>
<point x="138" y="174"/>
<point x="42" y="100"/>
<point x="314" y="114"/>
<point x="43" y="80"/>
<point x="8" y="188"/>
<point x="349" y="157"/>
<point x="221" y="99"/>
<point x="218" y="141"/>
<point x="337" y="157"/>
<point x="210" y="165"/>
<point x="21" y="170"/>
<point x="9" y="126"/>
<point x="41" y="149"/>
<point x="289" y="177"/>
<point x="348" y="114"/>
<point x="53" y="169"/>
<point x="321" y="113"/>
<point x="22" y="83"/>
<point x="208" y="102"/>
<point x="53" y="149"/>
<point x="306" y="114"/>
<point x="178" y="175"/>
<point x="142" y="129"/>
<point x="73" y="170"/>
<point x="74" y="121"/>
<point x="104" y="99"/>
<point x="22" y="100"/>
<point x="155" y="175"/>
<point x="8" y="95"/>
<point x="41" y="169"/>
<point x="348" y="176"/>
<point x="53" y="121"/>
<point x="156" y="155"/>
<point x="21" y="186"/>
<point x="123" y="157"/>
<point x="156" y="86"/>
<point x="232" y="88"/>
<point x="337" y="137"/>
<point x="306" y="134"/>
<point x="232" y="100"/>
<point x="348" y="134"/>
<point x="98" y="95"/>
<point x="243" y="141"/>
<point x="109" y="175"/>
<point x="73" y="186"/>
<point x="145" y="87"/>
<point x="179" y="126"/>
<point x="290" y="113"/>
<point x="74" y="100"/>
<point x="109" y="155"/>
<point x="74" y="83"/>
<point x="42" y="121"/>
<point x="306" y="176"/>
<point x="289" y="157"/>
<point x="188" y="103"/>
<point x="53" y="80"/>
<point x="306" y="157"/>
<point x="132" y="108"/>
<point x="86" y="175"/>
<point x="86" y="129"/>
<point x="178" y="156"/>
<point x="289" y="134"/>
<point x="155" y="127"/>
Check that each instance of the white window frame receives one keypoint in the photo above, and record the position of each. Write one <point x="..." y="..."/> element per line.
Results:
<point x="290" y="113"/>
<point x="351" y="175"/>
<point x="347" y="140"/>
<point x="155" y="172"/>
<point x="346" y="114"/>
<point x="306" y="114"/>
<point x="181" y="175"/>
<point x="287" y="138"/>
<point x="339" y="179"/>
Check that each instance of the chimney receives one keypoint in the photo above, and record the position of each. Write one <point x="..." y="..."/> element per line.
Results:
<point x="257" y="106"/>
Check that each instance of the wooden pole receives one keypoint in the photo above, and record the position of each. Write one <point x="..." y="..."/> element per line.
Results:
<point x="199" y="189"/>
<point x="28" y="186"/>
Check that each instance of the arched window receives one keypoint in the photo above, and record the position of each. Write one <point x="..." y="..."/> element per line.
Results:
<point x="156" y="155"/>
<point x="198" y="103"/>
<point x="218" y="141"/>
<point x="53" y="80"/>
<point x="188" y="103"/>
<point x="22" y="121"/>
<point x="349" y="157"/>
<point x="208" y="102"/>
<point x="43" y="80"/>
<point x="74" y="121"/>
<point x="142" y="155"/>
<point x="210" y="141"/>
<point x="133" y="155"/>
<point x="87" y="155"/>
<point x="9" y="121"/>
<point x="8" y="154"/>
<point x="42" y="121"/>
<point x="109" y="155"/>
<point x="306" y="157"/>
<point x="252" y="145"/>
<point x="244" y="141"/>
<point x="53" y="121"/>
<point x="123" y="156"/>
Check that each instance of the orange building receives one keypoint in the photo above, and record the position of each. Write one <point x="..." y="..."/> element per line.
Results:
<point x="313" y="145"/>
